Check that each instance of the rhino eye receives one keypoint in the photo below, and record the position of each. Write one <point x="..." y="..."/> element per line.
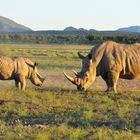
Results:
<point x="85" y="80"/>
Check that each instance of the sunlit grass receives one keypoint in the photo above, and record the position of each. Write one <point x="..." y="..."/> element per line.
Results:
<point x="57" y="110"/>
<point x="68" y="114"/>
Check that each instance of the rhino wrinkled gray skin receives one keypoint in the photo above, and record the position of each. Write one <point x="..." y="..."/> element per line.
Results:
<point x="19" y="69"/>
<point x="111" y="61"/>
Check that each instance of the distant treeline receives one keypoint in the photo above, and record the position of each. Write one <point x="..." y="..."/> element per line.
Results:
<point x="92" y="38"/>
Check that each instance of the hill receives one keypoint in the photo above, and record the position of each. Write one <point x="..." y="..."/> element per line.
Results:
<point x="70" y="28"/>
<point x="8" y="25"/>
<point x="130" y="29"/>
<point x="73" y="29"/>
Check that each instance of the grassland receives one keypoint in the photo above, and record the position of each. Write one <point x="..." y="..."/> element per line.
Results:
<point x="57" y="111"/>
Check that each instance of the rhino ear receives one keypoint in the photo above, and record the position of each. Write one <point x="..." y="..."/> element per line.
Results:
<point x="90" y="56"/>
<point x="35" y="64"/>
<point x="80" y="55"/>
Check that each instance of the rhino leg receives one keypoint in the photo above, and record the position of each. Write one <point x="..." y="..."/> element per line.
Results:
<point x="22" y="82"/>
<point x="17" y="84"/>
<point x="111" y="81"/>
<point x="105" y="78"/>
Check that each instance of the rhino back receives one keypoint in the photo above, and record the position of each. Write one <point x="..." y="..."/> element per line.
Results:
<point x="125" y="58"/>
<point x="21" y="66"/>
<point x="132" y="61"/>
<point x="24" y="66"/>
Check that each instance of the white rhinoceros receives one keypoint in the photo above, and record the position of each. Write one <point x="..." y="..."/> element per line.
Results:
<point x="19" y="69"/>
<point x="111" y="61"/>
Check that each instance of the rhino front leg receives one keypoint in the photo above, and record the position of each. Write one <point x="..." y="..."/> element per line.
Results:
<point x="112" y="81"/>
<point x="105" y="78"/>
<point x="22" y="82"/>
<point x="17" y="84"/>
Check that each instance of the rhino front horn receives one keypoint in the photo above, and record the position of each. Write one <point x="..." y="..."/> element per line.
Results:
<point x="43" y="80"/>
<point x="69" y="78"/>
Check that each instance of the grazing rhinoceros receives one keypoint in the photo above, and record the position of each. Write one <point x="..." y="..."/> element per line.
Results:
<point x="111" y="61"/>
<point x="19" y="69"/>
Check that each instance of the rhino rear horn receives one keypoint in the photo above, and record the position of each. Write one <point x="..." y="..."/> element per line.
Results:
<point x="80" y="55"/>
<point x="75" y="72"/>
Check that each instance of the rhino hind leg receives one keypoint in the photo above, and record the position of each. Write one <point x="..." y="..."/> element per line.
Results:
<point x="113" y="81"/>
<point x="105" y="78"/>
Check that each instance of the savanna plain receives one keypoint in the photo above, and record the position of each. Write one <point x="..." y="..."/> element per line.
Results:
<point x="57" y="111"/>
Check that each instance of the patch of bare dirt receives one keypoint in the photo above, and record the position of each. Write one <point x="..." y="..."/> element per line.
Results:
<point x="55" y="79"/>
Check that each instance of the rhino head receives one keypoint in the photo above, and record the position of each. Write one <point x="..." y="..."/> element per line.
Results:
<point x="87" y="75"/>
<point x="35" y="77"/>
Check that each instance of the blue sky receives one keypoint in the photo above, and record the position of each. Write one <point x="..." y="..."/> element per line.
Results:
<point x="58" y="14"/>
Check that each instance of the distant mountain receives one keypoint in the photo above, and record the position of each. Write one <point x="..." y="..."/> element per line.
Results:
<point x="82" y="29"/>
<point x="125" y="29"/>
<point x="73" y="29"/>
<point x="8" y="25"/>
<point x="92" y="30"/>
<point x="70" y="28"/>
<point x="130" y="29"/>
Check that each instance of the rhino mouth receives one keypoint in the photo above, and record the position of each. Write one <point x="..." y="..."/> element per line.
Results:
<point x="79" y="88"/>
<point x="38" y="82"/>
<point x="39" y="85"/>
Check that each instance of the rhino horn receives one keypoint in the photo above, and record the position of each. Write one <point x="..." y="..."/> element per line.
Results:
<point x="70" y="78"/>
<point x="75" y="72"/>
<point x="80" y="55"/>
<point x="43" y="79"/>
